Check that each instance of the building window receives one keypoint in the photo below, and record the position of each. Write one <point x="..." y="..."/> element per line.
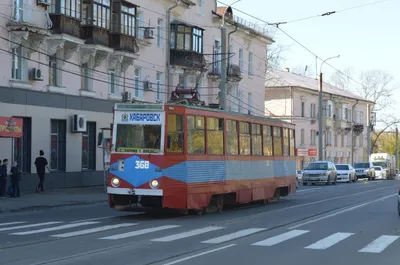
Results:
<point x="58" y="144"/>
<point x="302" y="109"/>
<point x="312" y="110"/>
<point x="277" y="137"/>
<point x="89" y="147"/>
<point x="182" y="81"/>
<point x="232" y="137"/>
<point x="251" y="72"/>
<point x="17" y="67"/>
<point x="137" y="82"/>
<point x="128" y="19"/>
<point x="328" y="138"/>
<point x="186" y="38"/>
<point x="267" y="140"/>
<point x="86" y="77"/>
<point x="342" y="140"/>
<point x="175" y="133"/>
<point x="285" y="141"/>
<point x="312" y="137"/>
<point x="230" y="55"/>
<point x="302" y="136"/>
<point x="160" y="36"/>
<point x="215" y="136"/>
<point x="140" y="23"/>
<point x="55" y="71"/>
<point x="250" y="103"/>
<point x="241" y="59"/>
<point x="292" y="142"/>
<point x="200" y="6"/>
<point x="70" y="8"/>
<point x="97" y="13"/>
<point x="240" y="100"/>
<point x="335" y="139"/>
<point x="196" y="137"/>
<point x="159" y="84"/>
<point x="114" y="84"/>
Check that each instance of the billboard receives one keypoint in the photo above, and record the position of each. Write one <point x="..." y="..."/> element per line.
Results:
<point x="10" y="127"/>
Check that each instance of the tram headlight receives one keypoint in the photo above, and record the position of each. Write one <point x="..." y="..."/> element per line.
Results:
<point x="154" y="184"/>
<point x="115" y="182"/>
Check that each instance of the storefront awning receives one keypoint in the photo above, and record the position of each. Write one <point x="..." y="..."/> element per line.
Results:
<point x="10" y="127"/>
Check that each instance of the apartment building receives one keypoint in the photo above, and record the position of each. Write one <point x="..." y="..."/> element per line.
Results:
<point x="294" y="98"/>
<point x="71" y="61"/>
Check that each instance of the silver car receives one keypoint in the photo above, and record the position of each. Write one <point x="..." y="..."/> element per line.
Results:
<point x="320" y="172"/>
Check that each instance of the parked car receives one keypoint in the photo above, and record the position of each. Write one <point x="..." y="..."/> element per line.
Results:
<point x="365" y="170"/>
<point x="345" y="173"/>
<point x="380" y="173"/>
<point x="320" y="172"/>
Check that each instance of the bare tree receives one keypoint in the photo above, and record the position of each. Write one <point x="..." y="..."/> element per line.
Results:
<point x="304" y="70"/>
<point x="342" y="79"/>
<point x="388" y="121"/>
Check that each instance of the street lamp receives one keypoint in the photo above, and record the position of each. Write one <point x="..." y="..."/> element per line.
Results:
<point x="320" y="109"/>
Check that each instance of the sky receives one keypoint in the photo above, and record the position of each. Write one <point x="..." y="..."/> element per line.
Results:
<point x="366" y="38"/>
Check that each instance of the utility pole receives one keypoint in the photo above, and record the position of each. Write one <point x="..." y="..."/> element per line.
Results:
<point x="369" y="120"/>
<point x="397" y="148"/>
<point x="320" y="117"/>
<point x="222" y="84"/>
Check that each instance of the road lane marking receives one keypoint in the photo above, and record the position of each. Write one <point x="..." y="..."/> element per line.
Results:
<point x="94" y="230"/>
<point x="28" y="226"/>
<point x="187" y="234"/>
<point x="12" y="223"/>
<point x="198" y="255"/>
<point x="61" y="227"/>
<point x="379" y="244"/>
<point x="105" y="217"/>
<point x="341" y="211"/>
<point x="329" y="241"/>
<point x="140" y="232"/>
<point x="280" y="238"/>
<point x="241" y="233"/>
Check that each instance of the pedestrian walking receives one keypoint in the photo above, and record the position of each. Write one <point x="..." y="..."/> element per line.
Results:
<point x="3" y="178"/>
<point x="15" y="175"/>
<point x="41" y="165"/>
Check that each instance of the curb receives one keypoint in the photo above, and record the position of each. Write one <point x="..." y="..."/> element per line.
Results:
<point x="49" y="207"/>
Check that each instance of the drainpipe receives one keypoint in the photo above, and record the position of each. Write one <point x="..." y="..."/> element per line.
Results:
<point x="168" y="48"/>
<point x="352" y="133"/>
<point x="229" y="36"/>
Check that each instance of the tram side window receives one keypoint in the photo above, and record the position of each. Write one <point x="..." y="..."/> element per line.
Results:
<point x="175" y="133"/>
<point x="196" y="143"/>
<point x="215" y="136"/>
<point x="245" y="138"/>
<point x="277" y="141"/>
<point x="232" y="137"/>
<point x="292" y="141"/>
<point x="267" y="140"/>
<point x="285" y="141"/>
<point x="256" y="139"/>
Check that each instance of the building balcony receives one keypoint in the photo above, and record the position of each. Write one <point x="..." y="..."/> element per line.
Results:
<point x="358" y="128"/>
<point x="29" y="24"/>
<point x="95" y="35"/>
<point x="234" y="73"/>
<point x="342" y="124"/>
<point x="327" y="122"/>
<point x="126" y="43"/>
<point x="215" y="71"/>
<point x="187" y="59"/>
<point x="65" y="25"/>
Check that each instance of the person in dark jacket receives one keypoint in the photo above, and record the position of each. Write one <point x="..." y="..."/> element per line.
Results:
<point x="41" y="165"/>
<point x="3" y="178"/>
<point x="15" y="176"/>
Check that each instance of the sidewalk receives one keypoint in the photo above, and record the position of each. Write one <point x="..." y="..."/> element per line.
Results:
<point x="53" y="198"/>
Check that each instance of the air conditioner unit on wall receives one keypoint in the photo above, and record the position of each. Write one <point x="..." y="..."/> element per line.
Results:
<point x="43" y="2"/>
<point x="79" y="123"/>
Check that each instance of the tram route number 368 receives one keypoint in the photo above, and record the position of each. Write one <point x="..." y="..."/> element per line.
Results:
<point x="142" y="164"/>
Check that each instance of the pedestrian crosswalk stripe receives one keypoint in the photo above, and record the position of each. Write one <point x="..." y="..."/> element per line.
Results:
<point x="329" y="241"/>
<point x="140" y="232"/>
<point x="379" y="244"/>
<point x="27" y="226"/>
<point x="194" y="232"/>
<point x="61" y="227"/>
<point x="232" y="236"/>
<point x="94" y="230"/>
<point x="280" y="238"/>
<point x="12" y="223"/>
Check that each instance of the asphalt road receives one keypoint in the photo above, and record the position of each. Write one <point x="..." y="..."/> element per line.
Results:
<point x="353" y="223"/>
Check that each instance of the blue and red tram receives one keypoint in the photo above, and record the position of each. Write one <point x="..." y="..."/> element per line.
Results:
<point x="186" y="157"/>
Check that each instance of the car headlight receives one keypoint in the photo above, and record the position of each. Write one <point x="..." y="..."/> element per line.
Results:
<point x="115" y="182"/>
<point x="154" y="184"/>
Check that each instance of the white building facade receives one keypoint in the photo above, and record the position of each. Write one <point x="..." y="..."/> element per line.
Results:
<point x="73" y="58"/>
<point x="294" y="98"/>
